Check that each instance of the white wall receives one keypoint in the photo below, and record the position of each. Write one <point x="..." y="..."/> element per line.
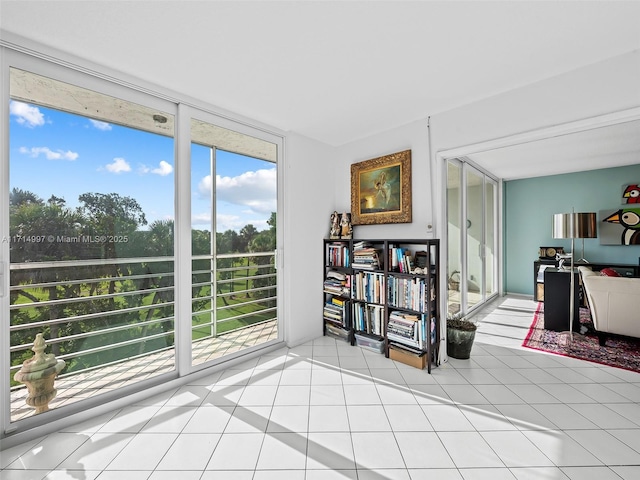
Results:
<point x="413" y="136"/>
<point x="309" y="200"/>
<point x="425" y="185"/>
<point x="318" y="179"/>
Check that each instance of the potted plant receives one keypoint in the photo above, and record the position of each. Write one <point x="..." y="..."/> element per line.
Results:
<point x="460" y="335"/>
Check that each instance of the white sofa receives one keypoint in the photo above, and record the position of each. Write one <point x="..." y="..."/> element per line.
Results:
<point x="614" y="303"/>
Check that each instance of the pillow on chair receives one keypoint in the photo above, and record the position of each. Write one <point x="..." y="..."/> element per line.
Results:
<point x="609" y="272"/>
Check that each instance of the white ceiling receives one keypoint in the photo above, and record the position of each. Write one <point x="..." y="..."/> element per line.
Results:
<point x="603" y="147"/>
<point x="333" y="71"/>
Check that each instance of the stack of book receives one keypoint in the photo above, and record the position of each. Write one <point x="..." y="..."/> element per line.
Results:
<point x="406" y="329"/>
<point x="337" y="283"/>
<point x="335" y="312"/>
<point x="365" y="256"/>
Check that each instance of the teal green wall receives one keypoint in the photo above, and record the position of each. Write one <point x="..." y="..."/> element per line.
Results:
<point x="529" y="205"/>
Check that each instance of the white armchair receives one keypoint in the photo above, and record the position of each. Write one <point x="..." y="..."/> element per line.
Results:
<point x="614" y="303"/>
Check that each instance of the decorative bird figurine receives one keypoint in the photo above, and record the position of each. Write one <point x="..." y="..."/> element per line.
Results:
<point x="629" y="218"/>
<point x="632" y="194"/>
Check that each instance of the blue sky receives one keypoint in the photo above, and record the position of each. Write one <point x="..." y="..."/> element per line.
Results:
<point x="62" y="154"/>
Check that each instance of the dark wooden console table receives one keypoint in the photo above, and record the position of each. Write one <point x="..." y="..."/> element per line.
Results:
<point x="557" y="294"/>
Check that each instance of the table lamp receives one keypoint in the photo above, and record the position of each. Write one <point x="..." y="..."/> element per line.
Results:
<point x="574" y="225"/>
<point x="585" y="227"/>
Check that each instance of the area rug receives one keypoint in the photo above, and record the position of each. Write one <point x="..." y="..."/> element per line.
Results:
<point x="621" y="352"/>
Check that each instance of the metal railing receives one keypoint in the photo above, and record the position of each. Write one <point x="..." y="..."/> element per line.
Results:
<point x="99" y="312"/>
<point x="263" y="295"/>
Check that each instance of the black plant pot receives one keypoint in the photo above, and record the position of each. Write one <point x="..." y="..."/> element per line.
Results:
<point x="459" y="342"/>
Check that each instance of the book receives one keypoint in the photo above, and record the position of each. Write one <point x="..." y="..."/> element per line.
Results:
<point x="365" y="256"/>
<point x="406" y="328"/>
<point x="337" y="283"/>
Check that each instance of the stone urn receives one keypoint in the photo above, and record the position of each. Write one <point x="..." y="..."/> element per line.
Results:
<point x="38" y="374"/>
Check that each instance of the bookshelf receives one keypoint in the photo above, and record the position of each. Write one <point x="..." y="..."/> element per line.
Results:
<point x="336" y="310"/>
<point x="368" y="294"/>
<point x="383" y="295"/>
<point x="412" y="330"/>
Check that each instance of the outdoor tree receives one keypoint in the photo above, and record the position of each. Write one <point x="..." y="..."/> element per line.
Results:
<point x="18" y="197"/>
<point x="200" y="242"/>
<point x="247" y="233"/>
<point x="228" y="242"/>
<point x="40" y="232"/>
<point x="111" y="217"/>
<point x="265" y="241"/>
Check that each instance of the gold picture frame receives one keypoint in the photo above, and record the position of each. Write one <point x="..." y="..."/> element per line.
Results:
<point x="381" y="190"/>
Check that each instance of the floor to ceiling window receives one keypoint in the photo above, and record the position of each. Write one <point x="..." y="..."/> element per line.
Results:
<point x="91" y="203"/>
<point x="234" y="194"/>
<point x="91" y="240"/>
<point x="471" y="236"/>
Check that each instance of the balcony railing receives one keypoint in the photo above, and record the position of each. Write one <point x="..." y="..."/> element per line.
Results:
<point x="96" y="313"/>
<point x="254" y="299"/>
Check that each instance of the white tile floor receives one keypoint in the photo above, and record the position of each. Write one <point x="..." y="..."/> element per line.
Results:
<point x="326" y="410"/>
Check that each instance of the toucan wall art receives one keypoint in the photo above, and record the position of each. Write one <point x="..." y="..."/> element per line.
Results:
<point x="620" y="227"/>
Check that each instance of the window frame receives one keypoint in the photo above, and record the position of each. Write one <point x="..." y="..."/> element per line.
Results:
<point x="43" y="61"/>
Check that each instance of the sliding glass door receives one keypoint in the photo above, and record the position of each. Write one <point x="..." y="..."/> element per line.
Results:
<point x="234" y="179"/>
<point x="91" y="248"/>
<point x="139" y="240"/>
<point x="472" y="237"/>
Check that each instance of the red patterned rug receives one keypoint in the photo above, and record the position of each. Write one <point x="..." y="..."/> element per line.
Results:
<point x="621" y="352"/>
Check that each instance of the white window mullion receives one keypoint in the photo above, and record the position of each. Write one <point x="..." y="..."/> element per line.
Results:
<point x="182" y="235"/>
<point x="214" y="244"/>
<point x="464" y="254"/>
<point x="5" y="411"/>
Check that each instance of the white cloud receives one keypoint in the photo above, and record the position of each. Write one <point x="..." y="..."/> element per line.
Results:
<point x="256" y="190"/>
<point x="226" y="222"/>
<point x="204" y="187"/>
<point x="104" y="126"/>
<point x="49" y="154"/>
<point x="164" y="169"/>
<point x="201" y="219"/>
<point x="119" y="165"/>
<point x="26" y="114"/>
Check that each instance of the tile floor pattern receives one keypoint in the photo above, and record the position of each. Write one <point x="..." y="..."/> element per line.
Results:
<point x="326" y="410"/>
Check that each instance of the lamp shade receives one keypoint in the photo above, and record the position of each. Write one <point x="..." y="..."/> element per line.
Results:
<point x="575" y="225"/>
<point x="563" y="225"/>
<point x="585" y="225"/>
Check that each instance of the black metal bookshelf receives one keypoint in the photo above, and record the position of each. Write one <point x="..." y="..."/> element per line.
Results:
<point x="392" y="302"/>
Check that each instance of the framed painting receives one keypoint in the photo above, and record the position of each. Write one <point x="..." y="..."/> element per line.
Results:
<point x="381" y="190"/>
<point x="620" y="226"/>
<point x="630" y="194"/>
